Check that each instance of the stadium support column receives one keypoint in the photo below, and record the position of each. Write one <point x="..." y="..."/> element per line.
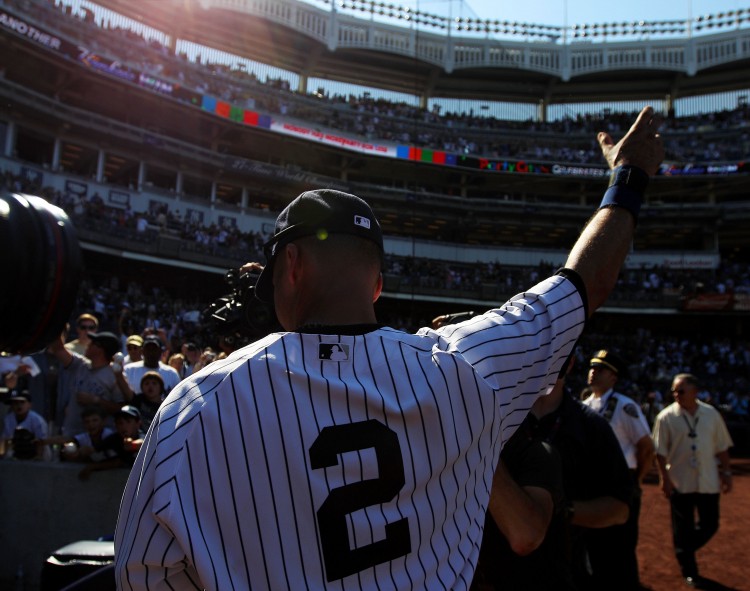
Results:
<point x="56" y="151"/>
<point x="141" y="174"/>
<point x="541" y="112"/>
<point x="244" y="198"/>
<point x="10" y="138"/>
<point x="669" y="104"/>
<point x="172" y="43"/>
<point x="302" y="86"/>
<point x="100" y="161"/>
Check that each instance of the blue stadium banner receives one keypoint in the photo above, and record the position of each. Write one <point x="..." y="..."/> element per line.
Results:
<point x="209" y="103"/>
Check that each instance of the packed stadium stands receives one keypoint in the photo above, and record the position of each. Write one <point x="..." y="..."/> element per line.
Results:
<point x="100" y="110"/>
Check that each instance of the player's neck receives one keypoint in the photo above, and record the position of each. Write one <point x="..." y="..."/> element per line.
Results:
<point x="340" y="317"/>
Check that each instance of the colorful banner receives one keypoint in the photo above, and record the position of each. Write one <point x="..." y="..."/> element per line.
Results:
<point x="331" y="139"/>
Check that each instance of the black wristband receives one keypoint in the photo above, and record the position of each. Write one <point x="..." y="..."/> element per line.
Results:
<point x="629" y="176"/>
<point x="627" y="184"/>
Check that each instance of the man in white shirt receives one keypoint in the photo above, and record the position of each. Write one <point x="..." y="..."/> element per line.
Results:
<point x="692" y="452"/>
<point x="133" y="372"/>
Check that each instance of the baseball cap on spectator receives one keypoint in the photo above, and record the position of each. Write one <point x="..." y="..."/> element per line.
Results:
<point x="107" y="341"/>
<point x="317" y="213"/>
<point x="87" y="320"/>
<point x="152" y="339"/>
<point x="134" y="339"/>
<point x="192" y="347"/>
<point x="129" y="411"/>
<point x="16" y="395"/>
<point x="153" y="375"/>
<point x="610" y="360"/>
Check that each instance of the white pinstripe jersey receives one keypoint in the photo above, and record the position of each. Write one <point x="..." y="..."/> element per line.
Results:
<point x="308" y="461"/>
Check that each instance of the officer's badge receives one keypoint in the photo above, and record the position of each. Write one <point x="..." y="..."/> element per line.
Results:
<point x="631" y="410"/>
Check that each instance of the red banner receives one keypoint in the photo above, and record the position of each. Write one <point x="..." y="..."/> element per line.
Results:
<point x="708" y="302"/>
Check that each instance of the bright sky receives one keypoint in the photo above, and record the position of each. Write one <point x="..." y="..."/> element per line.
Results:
<point x="553" y="12"/>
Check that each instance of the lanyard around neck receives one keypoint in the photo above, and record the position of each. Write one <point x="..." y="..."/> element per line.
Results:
<point x="692" y="433"/>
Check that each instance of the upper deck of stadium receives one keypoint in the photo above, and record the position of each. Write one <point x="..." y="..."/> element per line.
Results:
<point x="66" y="108"/>
<point x="386" y="46"/>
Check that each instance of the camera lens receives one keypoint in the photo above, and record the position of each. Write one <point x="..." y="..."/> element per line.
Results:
<point x="41" y="262"/>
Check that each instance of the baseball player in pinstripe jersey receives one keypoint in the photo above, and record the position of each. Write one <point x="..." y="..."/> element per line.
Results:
<point x="343" y="454"/>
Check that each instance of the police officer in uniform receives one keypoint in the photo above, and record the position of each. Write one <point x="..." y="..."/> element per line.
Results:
<point x="632" y="431"/>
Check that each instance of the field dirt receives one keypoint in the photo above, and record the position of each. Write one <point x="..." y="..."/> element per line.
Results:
<point x="724" y="561"/>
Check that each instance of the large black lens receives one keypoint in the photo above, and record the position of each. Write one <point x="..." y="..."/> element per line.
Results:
<point x="41" y="266"/>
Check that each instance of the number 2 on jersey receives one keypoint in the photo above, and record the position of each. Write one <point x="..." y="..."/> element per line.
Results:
<point x="341" y="560"/>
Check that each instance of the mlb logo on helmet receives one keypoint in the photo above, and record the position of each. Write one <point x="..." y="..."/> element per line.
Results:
<point x="361" y="221"/>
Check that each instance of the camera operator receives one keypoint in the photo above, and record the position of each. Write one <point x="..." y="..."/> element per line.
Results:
<point x="238" y="318"/>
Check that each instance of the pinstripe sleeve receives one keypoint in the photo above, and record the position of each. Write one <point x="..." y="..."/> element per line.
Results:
<point x="147" y="553"/>
<point x="155" y="543"/>
<point x="519" y="348"/>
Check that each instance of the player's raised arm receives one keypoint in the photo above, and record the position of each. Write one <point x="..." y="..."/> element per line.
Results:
<point x="600" y="251"/>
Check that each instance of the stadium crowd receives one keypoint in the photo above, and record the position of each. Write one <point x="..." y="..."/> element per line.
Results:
<point x="715" y="137"/>
<point x="130" y="308"/>
<point x="234" y="247"/>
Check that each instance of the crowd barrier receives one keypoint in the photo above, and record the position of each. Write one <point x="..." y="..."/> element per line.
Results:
<point x="45" y="506"/>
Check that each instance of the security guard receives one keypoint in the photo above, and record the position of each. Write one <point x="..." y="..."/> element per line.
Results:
<point x="632" y="431"/>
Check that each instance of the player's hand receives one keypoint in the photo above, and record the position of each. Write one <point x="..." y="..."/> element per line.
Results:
<point x="253" y="267"/>
<point x="641" y="146"/>
<point x="439" y="321"/>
